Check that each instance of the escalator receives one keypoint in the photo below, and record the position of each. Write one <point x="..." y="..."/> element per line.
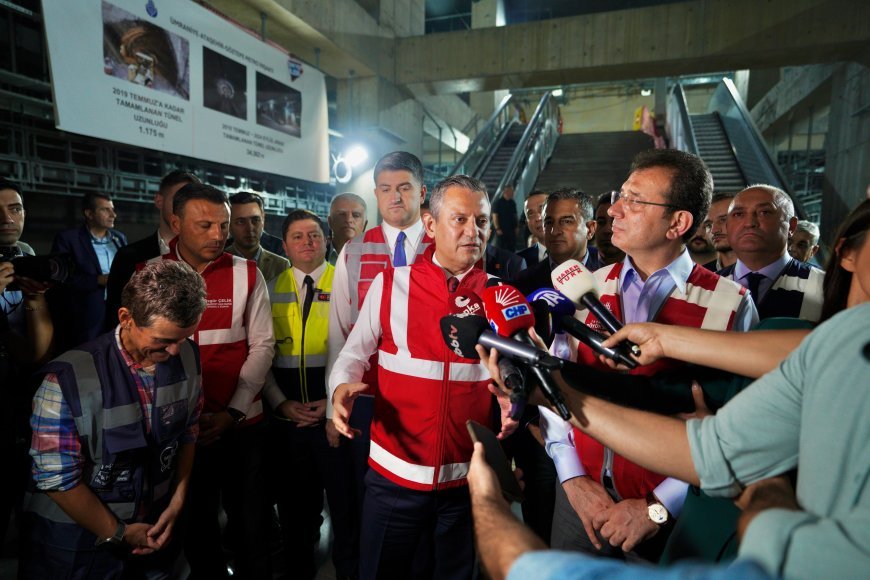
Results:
<point x="726" y="138"/>
<point x="507" y="153"/>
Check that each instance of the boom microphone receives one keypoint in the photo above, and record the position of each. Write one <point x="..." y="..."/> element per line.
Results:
<point x="509" y="314"/>
<point x="579" y="285"/>
<point x="463" y="332"/>
<point x="563" y="309"/>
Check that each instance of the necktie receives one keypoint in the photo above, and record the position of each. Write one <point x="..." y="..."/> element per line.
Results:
<point x="453" y="284"/>
<point x="309" y="296"/>
<point x="753" y="281"/>
<point x="399" y="255"/>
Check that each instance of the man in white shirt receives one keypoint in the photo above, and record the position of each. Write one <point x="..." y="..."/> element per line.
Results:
<point x="399" y="191"/>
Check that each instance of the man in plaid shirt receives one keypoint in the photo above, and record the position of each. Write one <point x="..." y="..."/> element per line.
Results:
<point x="115" y="423"/>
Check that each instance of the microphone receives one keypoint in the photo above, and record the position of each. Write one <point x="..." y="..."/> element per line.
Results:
<point x="578" y="285"/>
<point x="468" y="303"/>
<point x="463" y="332"/>
<point x="509" y="314"/>
<point x="513" y="380"/>
<point x="563" y="313"/>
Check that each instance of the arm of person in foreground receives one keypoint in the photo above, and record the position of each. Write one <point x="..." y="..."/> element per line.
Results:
<point x="501" y="537"/>
<point x="751" y="354"/>
<point x="344" y="384"/>
<point x="161" y="532"/>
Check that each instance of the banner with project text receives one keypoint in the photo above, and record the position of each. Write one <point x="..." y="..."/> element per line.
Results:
<point x="172" y="76"/>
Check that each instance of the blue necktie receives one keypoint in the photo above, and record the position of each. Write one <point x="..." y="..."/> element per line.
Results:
<point x="399" y="255"/>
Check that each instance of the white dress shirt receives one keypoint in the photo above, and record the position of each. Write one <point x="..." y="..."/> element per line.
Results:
<point x="340" y="308"/>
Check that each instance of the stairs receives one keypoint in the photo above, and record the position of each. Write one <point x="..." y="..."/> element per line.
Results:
<point x="593" y="162"/>
<point x="498" y="165"/>
<point x="715" y="149"/>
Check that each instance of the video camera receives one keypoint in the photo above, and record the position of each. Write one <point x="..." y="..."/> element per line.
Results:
<point x="55" y="268"/>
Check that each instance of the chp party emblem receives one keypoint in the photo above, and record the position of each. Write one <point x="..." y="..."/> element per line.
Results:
<point x="151" y="9"/>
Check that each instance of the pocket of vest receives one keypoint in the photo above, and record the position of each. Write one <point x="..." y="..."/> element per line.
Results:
<point x="171" y="420"/>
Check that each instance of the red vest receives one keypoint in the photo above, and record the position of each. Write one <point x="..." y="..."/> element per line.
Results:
<point x="365" y="258"/>
<point x="222" y="335"/>
<point x="710" y="302"/>
<point x="426" y="392"/>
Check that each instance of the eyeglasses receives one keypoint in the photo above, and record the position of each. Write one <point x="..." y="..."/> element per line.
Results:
<point x="632" y="203"/>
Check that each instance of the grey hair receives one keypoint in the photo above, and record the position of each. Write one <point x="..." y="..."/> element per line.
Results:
<point x="463" y="181"/>
<point x="165" y="288"/>
<point x="810" y="228"/>
<point x="780" y="198"/>
<point x="348" y="197"/>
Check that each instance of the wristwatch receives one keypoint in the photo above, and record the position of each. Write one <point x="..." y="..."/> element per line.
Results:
<point x="237" y="416"/>
<point x="656" y="510"/>
<point x="115" y="540"/>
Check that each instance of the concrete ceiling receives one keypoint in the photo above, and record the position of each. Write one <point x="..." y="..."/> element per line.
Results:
<point x="668" y="39"/>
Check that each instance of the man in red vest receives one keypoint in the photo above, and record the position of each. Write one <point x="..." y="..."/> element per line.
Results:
<point x="416" y="493"/>
<point x="236" y="344"/>
<point x="399" y="191"/>
<point x="606" y="504"/>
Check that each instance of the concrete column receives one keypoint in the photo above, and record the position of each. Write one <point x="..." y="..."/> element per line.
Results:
<point x="847" y="173"/>
<point x="761" y="80"/>
<point x="487" y="14"/>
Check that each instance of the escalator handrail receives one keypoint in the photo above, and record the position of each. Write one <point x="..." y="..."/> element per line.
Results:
<point x="484" y="133"/>
<point x="755" y="134"/>
<point x="521" y="151"/>
<point x="688" y="130"/>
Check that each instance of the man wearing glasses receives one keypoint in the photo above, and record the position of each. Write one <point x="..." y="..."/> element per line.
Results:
<point x="607" y="505"/>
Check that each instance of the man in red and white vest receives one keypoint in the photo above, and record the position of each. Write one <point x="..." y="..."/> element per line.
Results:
<point x="607" y="505"/>
<point x="236" y="344"/>
<point x="416" y="493"/>
<point x="399" y="191"/>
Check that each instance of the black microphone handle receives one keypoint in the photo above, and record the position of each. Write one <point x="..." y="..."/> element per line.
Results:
<point x="593" y="340"/>
<point x="525" y="352"/>
<point x="550" y="390"/>
<point x="590" y="301"/>
<point x="513" y="380"/>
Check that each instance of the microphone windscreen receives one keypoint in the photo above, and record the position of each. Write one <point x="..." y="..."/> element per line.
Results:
<point x="461" y="332"/>
<point x="507" y="310"/>
<point x="573" y="280"/>
<point x="558" y="303"/>
<point x="467" y="303"/>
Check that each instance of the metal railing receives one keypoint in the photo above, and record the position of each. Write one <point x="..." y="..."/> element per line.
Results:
<point x="487" y="141"/>
<point x="678" y="125"/>
<point x="533" y="150"/>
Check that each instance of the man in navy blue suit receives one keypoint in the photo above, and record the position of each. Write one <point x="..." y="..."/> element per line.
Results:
<point x="81" y="301"/>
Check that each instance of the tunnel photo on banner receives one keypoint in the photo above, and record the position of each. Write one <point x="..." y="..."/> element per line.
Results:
<point x="175" y="77"/>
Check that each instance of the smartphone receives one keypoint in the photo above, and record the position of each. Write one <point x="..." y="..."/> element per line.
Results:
<point x="496" y="459"/>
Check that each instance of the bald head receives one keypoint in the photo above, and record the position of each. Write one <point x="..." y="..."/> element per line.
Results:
<point x="760" y="222"/>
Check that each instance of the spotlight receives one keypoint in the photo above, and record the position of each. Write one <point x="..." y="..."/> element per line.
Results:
<point x="557" y="92"/>
<point x="356" y="155"/>
<point x="645" y="92"/>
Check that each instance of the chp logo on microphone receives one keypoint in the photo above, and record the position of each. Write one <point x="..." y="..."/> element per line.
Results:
<point x="512" y="302"/>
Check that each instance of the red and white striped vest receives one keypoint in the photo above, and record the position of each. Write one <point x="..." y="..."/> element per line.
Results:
<point x="710" y="302"/>
<point x="426" y="393"/>
<point x="222" y="335"/>
<point x="365" y="257"/>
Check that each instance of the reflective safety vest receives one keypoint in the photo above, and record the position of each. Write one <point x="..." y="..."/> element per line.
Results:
<point x="130" y="470"/>
<point x="710" y="302"/>
<point x="300" y="353"/>
<point x="796" y="293"/>
<point x="426" y="392"/>
<point x="221" y="335"/>
<point x="367" y="256"/>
